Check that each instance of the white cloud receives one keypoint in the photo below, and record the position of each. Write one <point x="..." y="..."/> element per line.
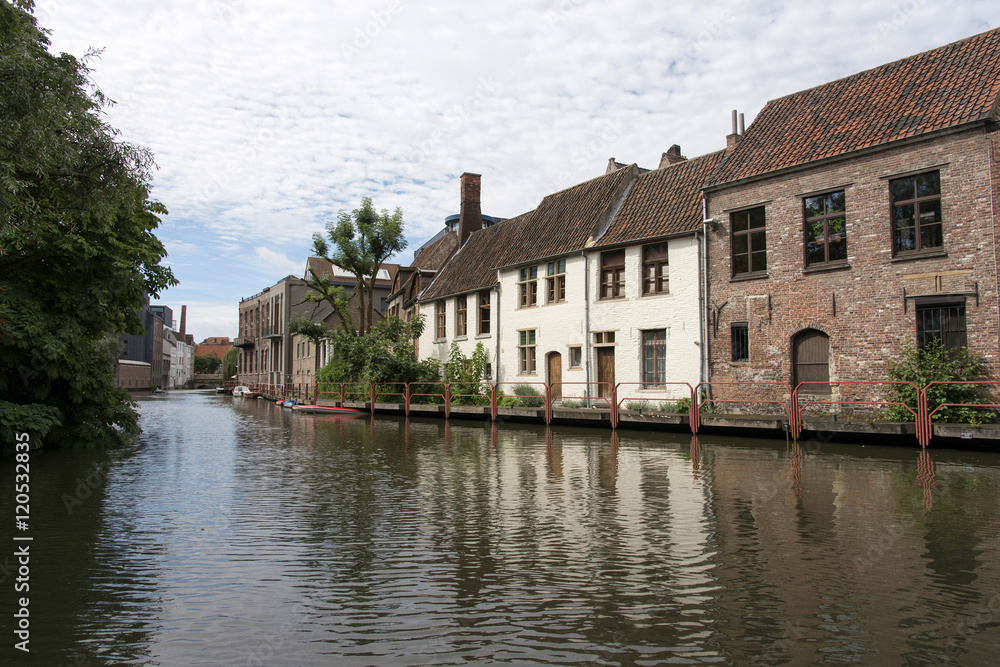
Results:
<point x="263" y="129"/>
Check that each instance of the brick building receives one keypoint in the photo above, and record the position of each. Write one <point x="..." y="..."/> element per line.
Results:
<point x="858" y="216"/>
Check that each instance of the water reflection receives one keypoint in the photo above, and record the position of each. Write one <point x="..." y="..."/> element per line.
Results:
<point x="241" y="533"/>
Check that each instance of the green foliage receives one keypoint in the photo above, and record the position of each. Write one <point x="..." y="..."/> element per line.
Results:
<point x="573" y="403"/>
<point x="383" y="355"/>
<point x="360" y="241"/>
<point x="637" y="405"/>
<point x="207" y="363"/>
<point x="681" y="407"/>
<point x="937" y="363"/>
<point x="77" y="251"/>
<point x="229" y="363"/>
<point x="470" y="373"/>
<point x="525" y="396"/>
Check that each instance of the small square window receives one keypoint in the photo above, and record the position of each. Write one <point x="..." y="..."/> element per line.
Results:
<point x="575" y="357"/>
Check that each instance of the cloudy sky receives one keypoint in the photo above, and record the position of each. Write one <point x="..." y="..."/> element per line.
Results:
<point x="267" y="118"/>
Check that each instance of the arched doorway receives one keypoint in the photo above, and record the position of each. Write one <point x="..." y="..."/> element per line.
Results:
<point x="811" y="360"/>
<point x="555" y="374"/>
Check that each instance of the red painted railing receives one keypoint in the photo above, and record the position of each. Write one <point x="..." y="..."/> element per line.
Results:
<point x="789" y="399"/>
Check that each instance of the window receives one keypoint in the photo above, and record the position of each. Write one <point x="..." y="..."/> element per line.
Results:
<point x="941" y="319"/>
<point x="749" y="241"/>
<point x="825" y="228"/>
<point x="604" y="338"/>
<point x="740" y="337"/>
<point x="484" y="313"/>
<point x="916" y="212"/>
<point x="526" y="351"/>
<point x="654" y="356"/>
<point x="439" y="318"/>
<point x="655" y="269"/>
<point x="613" y="274"/>
<point x="556" y="282"/>
<point x="575" y="357"/>
<point x="527" y="287"/>
<point x="461" y="312"/>
<point x="383" y="304"/>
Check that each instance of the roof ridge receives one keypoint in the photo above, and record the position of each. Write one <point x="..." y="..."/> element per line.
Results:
<point x="979" y="35"/>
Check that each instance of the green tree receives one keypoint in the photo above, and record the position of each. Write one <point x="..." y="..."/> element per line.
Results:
<point x="469" y="372"/>
<point x="936" y="363"/>
<point x="316" y="332"/>
<point x="78" y="256"/>
<point x="360" y="242"/>
<point x="383" y="355"/>
<point x="207" y="363"/>
<point x="229" y="363"/>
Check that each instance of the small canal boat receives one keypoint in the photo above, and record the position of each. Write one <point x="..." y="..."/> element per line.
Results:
<point x="325" y="409"/>
<point x="243" y="391"/>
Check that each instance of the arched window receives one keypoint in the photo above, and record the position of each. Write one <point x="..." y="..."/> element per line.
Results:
<point x="811" y="360"/>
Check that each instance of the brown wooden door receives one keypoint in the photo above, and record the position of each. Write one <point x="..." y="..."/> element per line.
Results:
<point x="811" y="360"/>
<point x="605" y="370"/>
<point x="555" y="374"/>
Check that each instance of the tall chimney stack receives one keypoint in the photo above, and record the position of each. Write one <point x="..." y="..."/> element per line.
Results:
<point x="733" y="139"/>
<point x="184" y="317"/>
<point x="470" y="217"/>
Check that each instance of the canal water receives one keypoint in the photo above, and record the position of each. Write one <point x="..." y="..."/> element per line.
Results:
<point x="236" y="532"/>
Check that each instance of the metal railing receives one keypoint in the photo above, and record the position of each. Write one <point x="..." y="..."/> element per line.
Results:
<point x="792" y="402"/>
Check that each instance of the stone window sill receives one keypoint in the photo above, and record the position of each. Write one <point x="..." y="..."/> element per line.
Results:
<point x="915" y="255"/>
<point x="824" y="268"/>
<point x="760" y="275"/>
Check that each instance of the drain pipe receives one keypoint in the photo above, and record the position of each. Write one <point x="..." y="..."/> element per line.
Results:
<point x="496" y="374"/>
<point x="704" y="295"/>
<point x="586" y="322"/>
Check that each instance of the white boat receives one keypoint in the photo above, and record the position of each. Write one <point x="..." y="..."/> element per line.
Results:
<point x="243" y="391"/>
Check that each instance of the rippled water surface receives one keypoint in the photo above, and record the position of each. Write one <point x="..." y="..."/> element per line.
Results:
<point x="236" y="532"/>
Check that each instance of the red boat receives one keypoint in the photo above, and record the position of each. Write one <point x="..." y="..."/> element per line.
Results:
<point x="324" y="409"/>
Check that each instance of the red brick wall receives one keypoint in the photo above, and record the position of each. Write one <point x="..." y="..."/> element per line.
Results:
<point x="870" y="324"/>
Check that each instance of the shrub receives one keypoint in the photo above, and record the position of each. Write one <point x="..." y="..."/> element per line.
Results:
<point x="637" y="405"/>
<point x="528" y="396"/>
<point x="681" y="407"/>
<point x="937" y="363"/>
<point x="572" y="403"/>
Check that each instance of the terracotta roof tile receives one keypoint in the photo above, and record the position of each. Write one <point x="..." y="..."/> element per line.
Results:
<point x="564" y="222"/>
<point x="943" y="88"/>
<point x="663" y="202"/>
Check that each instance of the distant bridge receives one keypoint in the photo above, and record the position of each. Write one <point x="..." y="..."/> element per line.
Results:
<point x="207" y="380"/>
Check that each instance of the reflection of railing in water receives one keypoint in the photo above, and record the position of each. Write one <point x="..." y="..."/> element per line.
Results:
<point x="701" y="399"/>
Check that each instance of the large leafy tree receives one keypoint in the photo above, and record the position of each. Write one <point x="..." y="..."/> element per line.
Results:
<point x="360" y="242"/>
<point x="78" y="256"/>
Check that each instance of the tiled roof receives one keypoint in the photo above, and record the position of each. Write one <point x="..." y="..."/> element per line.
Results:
<point x="563" y="222"/>
<point x="475" y="264"/>
<point x="663" y="202"/>
<point x="434" y="255"/>
<point x="322" y="267"/>
<point x="943" y="88"/>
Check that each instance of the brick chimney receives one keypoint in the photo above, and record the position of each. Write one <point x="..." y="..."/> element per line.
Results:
<point x="471" y="215"/>
<point x="184" y="317"/>
<point x="672" y="156"/>
<point x="732" y="140"/>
